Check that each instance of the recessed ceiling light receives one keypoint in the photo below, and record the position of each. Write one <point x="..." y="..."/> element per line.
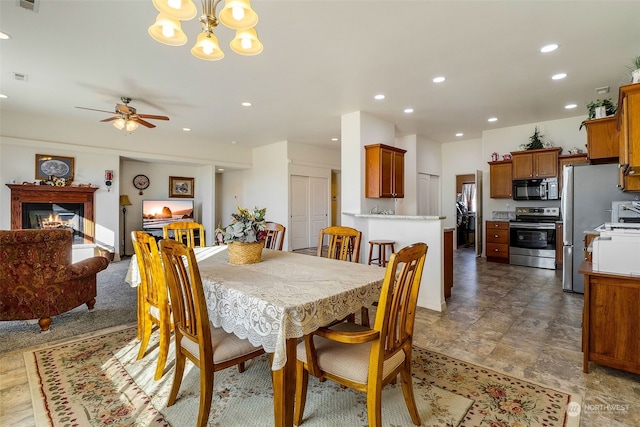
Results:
<point x="570" y="106"/>
<point x="246" y="104"/>
<point x="220" y="170"/>
<point x="559" y="76"/>
<point x="334" y="139"/>
<point x="459" y="134"/>
<point x="379" y="96"/>
<point x="439" y="79"/>
<point x="493" y="119"/>
<point x="3" y="96"/>
<point x="234" y="142"/>
<point x="4" y="36"/>
<point x="186" y="129"/>
<point x="549" y="48"/>
<point x="408" y="110"/>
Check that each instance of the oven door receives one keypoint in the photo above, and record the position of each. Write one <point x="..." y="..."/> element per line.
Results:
<point x="532" y="244"/>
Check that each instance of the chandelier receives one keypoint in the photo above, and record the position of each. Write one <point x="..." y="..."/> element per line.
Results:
<point x="236" y="14"/>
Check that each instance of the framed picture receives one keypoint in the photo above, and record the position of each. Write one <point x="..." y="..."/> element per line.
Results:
<point x="48" y="165"/>
<point x="180" y="186"/>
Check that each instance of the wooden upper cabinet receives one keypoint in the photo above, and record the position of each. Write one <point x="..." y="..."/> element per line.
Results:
<point x="384" y="175"/>
<point x="534" y="164"/>
<point x="628" y="127"/>
<point x="500" y="179"/>
<point x="603" y="144"/>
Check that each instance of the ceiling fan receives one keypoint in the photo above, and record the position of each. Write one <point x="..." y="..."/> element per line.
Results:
<point x="128" y="117"/>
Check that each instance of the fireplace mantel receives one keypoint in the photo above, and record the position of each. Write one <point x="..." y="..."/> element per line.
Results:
<point x="48" y="194"/>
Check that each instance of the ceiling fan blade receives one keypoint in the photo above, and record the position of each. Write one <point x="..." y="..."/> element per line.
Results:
<point x="151" y="116"/>
<point x="110" y="119"/>
<point x="123" y="109"/>
<point x="143" y="123"/>
<point x="93" y="109"/>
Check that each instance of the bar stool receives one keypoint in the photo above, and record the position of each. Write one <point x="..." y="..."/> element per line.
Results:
<point x="381" y="260"/>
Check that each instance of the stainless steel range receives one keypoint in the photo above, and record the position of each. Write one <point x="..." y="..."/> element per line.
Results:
<point x="532" y="237"/>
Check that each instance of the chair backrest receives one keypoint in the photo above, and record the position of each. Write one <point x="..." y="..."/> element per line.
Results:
<point x="185" y="231"/>
<point x="190" y="316"/>
<point x="398" y="299"/>
<point x="344" y="243"/>
<point x="152" y="278"/>
<point x="275" y="235"/>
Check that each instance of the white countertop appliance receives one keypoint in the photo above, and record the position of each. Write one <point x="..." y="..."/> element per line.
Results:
<point x="617" y="249"/>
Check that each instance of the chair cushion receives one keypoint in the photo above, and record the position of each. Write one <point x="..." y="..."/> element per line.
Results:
<point x="349" y="361"/>
<point x="225" y="346"/>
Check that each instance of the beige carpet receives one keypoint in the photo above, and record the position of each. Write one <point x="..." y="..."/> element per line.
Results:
<point x="96" y="380"/>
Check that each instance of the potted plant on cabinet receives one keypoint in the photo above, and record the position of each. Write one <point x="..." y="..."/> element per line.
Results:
<point x="535" y="141"/>
<point x="634" y="69"/>
<point x="609" y="109"/>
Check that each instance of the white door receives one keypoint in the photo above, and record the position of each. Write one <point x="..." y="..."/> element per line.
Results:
<point x="299" y="212"/>
<point x="309" y="210"/>
<point x="429" y="194"/>
<point x="318" y="208"/>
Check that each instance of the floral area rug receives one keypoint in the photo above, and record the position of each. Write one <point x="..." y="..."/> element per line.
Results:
<point x="97" y="381"/>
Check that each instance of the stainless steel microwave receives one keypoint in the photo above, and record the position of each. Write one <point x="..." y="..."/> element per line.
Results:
<point x="535" y="189"/>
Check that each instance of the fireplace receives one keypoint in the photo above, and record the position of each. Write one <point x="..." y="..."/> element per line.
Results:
<point x="44" y="206"/>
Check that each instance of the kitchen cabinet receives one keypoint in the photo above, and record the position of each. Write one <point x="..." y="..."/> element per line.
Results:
<point x="610" y="320"/>
<point x="559" y="245"/>
<point x="534" y="164"/>
<point x="628" y="126"/>
<point x="603" y="144"/>
<point x="447" y="272"/>
<point x="500" y="179"/>
<point x="497" y="233"/>
<point x="384" y="171"/>
<point x="569" y="159"/>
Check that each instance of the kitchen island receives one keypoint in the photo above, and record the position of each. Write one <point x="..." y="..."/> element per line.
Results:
<point x="406" y="230"/>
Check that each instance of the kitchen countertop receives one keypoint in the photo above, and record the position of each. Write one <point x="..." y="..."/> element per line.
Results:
<point x="384" y="216"/>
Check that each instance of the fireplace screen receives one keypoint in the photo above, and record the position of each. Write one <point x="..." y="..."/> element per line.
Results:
<point x="55" y="215"/>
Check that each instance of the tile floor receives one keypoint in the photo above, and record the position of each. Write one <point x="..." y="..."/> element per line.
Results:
<point x="509" y="318"/>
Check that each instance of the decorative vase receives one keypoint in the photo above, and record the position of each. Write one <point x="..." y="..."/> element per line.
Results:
<point x="245" y="253"/>
<point x="635" y="76"/>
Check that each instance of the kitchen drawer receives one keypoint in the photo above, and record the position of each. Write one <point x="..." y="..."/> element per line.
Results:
<point x="498" y="251"/>
<point x="497" y="225"/>
<point x="497" y="235"/>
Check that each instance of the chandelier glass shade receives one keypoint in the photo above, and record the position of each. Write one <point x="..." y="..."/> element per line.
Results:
<point x="236" y="14"/>
<point x="128" y="125"/>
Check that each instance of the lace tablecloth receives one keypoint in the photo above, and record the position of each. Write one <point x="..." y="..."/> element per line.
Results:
<point x="287" y="295"/>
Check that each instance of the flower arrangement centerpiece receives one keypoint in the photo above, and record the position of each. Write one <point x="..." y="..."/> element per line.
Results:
<point x="244" y="236"/>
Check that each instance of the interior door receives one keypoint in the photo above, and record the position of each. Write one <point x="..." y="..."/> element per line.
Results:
<point x="429" y="194"/>
<point x="318" y="208"/>
<point x="479" y="228"/>
<point x="299" y="212"/>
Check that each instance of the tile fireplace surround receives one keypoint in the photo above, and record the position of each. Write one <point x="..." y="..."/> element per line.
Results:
<point x="21" y="194"/>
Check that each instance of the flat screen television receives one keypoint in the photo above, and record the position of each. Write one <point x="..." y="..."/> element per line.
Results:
<point x="158" y="213"/>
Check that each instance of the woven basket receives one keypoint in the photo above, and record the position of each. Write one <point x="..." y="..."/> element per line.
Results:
<point x="245" y="253"/>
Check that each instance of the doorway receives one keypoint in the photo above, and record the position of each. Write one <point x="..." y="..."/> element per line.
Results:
<point x="467" y="199"/>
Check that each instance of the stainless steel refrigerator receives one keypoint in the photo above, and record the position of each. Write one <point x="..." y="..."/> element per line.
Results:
<point x="587" y="193"/>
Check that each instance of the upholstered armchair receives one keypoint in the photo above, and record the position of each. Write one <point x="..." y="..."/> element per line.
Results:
<point x="37" y="278"/>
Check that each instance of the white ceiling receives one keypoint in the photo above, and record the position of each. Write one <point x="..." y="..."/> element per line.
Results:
<point x="322" y="59"/>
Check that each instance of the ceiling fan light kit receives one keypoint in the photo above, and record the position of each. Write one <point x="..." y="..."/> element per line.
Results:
<point x="127" y="118"/>
<point x="236" y="14"/>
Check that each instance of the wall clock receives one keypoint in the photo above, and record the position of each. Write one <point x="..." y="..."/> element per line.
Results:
<point x="141" y="182"/>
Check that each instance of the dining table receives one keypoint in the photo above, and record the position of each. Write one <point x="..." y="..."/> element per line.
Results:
<point x="275" y="302"/>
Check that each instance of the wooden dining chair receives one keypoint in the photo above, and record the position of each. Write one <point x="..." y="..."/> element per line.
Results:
<point x="184" y="231"/>
<point x="367" y="359"/>
<point x="343" y="243"/>
<point x="210" y="349"/>
<point x="153" y="300"/>
<point x="275" y="235"/>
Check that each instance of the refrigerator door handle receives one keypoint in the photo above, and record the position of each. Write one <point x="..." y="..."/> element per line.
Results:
<point x="567" y="268"/>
